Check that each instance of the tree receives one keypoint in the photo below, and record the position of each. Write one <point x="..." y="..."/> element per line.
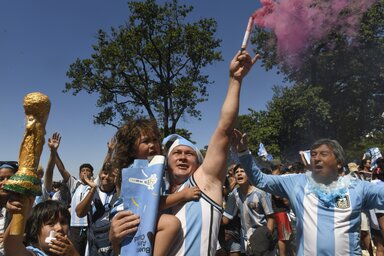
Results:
<point x="151" y="66"/>
<point x="256" y="125"/>
<point x="335" y="92"/>
<point x="371" y="140"/>
<point x="294" y="117"/>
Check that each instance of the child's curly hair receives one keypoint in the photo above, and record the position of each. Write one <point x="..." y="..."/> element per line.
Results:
<point x="125" y="150"/>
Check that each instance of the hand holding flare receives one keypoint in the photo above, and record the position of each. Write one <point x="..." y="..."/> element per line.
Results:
<point x="25" y="182"/>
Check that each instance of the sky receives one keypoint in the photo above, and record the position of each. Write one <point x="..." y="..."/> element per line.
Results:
<point x="40" y="39"/>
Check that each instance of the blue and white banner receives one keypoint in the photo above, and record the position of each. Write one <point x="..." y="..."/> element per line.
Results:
<point x="262" y="150"/>
<point x="140" y="191"/>
<point x="263" y="153"/>
<point x="373" y="154"/>
<point x="307" y="155"/>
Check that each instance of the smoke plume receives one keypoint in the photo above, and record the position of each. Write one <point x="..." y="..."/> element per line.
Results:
<point x="298" y="24"/>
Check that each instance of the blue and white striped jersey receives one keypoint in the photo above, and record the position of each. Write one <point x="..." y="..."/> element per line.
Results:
<point x="321" y="229"/>
<point x="200" y="221"/>
<point x="253" y="209"/>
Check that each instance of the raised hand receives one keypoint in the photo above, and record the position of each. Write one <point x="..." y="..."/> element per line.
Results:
<point x="54" y="141"/>
<point x="241" y="64"/>
<point x="89" y="181"/>
<point x="111" y="144"/>
<point x="239" y="141"/>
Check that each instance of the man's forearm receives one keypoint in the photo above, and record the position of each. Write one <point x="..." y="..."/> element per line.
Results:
<point x="64" y="173"/>
<point x="83" y="207"/>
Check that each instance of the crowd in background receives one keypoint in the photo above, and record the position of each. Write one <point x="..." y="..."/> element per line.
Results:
<point x="205" y="208"/>
<point x="244" y="210"/>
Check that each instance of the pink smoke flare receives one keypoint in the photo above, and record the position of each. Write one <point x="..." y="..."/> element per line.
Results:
<point x="298" y="24"/>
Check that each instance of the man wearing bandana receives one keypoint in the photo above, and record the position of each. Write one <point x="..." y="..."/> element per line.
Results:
<point x="327" y="205"/>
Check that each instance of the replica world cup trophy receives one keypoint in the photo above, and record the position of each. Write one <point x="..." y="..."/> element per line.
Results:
<point x="25" y="181"/>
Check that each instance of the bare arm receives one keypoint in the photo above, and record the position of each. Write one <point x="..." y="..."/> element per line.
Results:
<point x="111" y="145"/>
<point x="48" y="175"/>
<point x="185" y="195"/>
<point x="107" y="159"/>
<point x="64" y="173"/>
<point x="270" y="223"/>
<point x="380" y="219"/>
<point x="107" y="165"/>
<point x="53" y="144"/>
<point x="13" y="243"/>
<point x="211" y="175"/>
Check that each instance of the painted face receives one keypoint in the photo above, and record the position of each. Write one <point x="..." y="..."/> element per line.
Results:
<point x="324" y="164"/>
<point x="5" y="174"/>
<point x="85" y="172"/>
<point x="240" y="176"/>
<point x="60" y="225"/>
<point x="182" y="162"/>
<point x="147" y="146"/>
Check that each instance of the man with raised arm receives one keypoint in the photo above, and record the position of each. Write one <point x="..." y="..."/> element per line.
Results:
<point x="78" y="188"/>
<point x="201" y="219"/>
<point x="327" y="205"/>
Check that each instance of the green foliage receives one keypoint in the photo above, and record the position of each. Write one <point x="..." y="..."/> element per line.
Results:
<point x="152" y="66"/>
<point x="298" y="115"/>
<point x="204" y="150"/>
<point x="182" y="132"/>
<point x="359" y="147"/>
<point x="293" y="117"/>
<point x="336" y="92"/>
<point x="258" y="129"/>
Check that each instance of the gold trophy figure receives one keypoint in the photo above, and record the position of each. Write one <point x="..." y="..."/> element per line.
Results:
<point x="25" y="181"/>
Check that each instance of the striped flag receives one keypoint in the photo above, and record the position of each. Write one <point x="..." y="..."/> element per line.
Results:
<point x="263" y="153"/>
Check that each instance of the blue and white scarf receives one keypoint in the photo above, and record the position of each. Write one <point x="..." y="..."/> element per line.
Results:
<point x="328" y="194"/>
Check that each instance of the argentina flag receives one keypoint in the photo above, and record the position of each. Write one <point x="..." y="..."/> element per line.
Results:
<point x="263" y="152"/>
<point x="374" y="154"/>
